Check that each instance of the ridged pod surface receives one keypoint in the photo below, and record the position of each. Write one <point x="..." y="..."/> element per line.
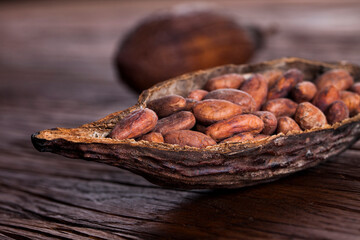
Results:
<point x="225" y="165"/>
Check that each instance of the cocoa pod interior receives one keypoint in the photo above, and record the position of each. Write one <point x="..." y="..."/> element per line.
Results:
<point x="225" y="165"/>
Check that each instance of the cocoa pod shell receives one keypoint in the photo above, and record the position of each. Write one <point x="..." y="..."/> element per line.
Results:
<point x="225" y="165"/>
<point x="171" y="43"/>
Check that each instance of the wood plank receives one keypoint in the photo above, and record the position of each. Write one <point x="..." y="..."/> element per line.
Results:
<point x="55" y="71"/>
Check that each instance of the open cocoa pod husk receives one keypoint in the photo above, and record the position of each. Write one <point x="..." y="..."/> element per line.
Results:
<point x="224" y="165"/>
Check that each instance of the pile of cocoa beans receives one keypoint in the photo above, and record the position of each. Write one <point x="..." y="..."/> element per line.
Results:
<point x="240" y="107"/>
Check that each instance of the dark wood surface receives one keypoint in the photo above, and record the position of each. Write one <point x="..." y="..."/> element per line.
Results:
<point x="55" y="71"/>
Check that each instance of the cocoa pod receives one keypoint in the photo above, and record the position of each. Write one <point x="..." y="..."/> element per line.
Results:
<point x="245" y="100"/>
<point x="270" y="121"/>
<point x="337" y="112"/>
<point x="183" y="120"/>
<point x="308" y="116"/>
<point x="189" y="138"/>
<point x="241" y="137"/>
<point x="152" y="137"/>
<point x="257" y="87"/>
<point x="231" y="80"/>
<point x="135" y="124"/>
<point x="212" y="110"/>
<point x="325" y="97"/>
<point x="167" y="105"/>
<point x="304" y="92"/>
<point x="280" y="107"/>
<point x="339" y="78"/>
<point x="352" y="101"/>
<point x="190" y="104"/>
<point x="197" y="94"/>
<point x="356" y="88"/>
<point x="285" y="84"/>
<point x="272" y="76"/>
<point x="236" y="124"/>
<point x="287" y="124"/>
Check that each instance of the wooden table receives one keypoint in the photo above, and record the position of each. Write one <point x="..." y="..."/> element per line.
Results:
<point x="55" y="71"/>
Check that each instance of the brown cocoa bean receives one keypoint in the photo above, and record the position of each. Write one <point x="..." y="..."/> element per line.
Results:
<point x="189" y="138"/>
<point x="189" y="104"/>
<point x="183" y="120"/>
<point x="285" y="84"/>
<point x="231" y="80"/>
<point x="245" y="100"/>
<point x="212" y="110"/>
<point x="356" y="88"/>
<point x="167" y="105"/>
<point x="304" y="92"/>
<point x="287" y="124"/>
<point x="270" y="121"/>
<point x="325" y="97"/>
<point x="236" y="124"/>
<point x="280" y="107"/>
<point x="337" y="112"/>
<point x="339" y="78"/>
<point x="272" y="76"/>
<point x="260" y="136"/>
<point x="241" y="137"/>
<point x="352" y="101"/>
<point x="197" y="94"/>
<point x="201" y="128"/>
<point x="152" y="137"/>
<point x="135" y="124"/>
<point x="309" y="116"/>
<point x="257" y="87"/>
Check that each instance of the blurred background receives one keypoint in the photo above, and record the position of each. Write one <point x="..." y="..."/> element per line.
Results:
<point x="63" y="51"/>
<point x="57" y="70"/>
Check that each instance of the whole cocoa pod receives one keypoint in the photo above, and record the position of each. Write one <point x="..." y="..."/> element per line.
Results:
<point x="135" y="124"/>
<point x="175" y="42"/>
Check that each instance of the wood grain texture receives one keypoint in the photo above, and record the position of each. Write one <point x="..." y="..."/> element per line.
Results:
<point x="55" y="70"/>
